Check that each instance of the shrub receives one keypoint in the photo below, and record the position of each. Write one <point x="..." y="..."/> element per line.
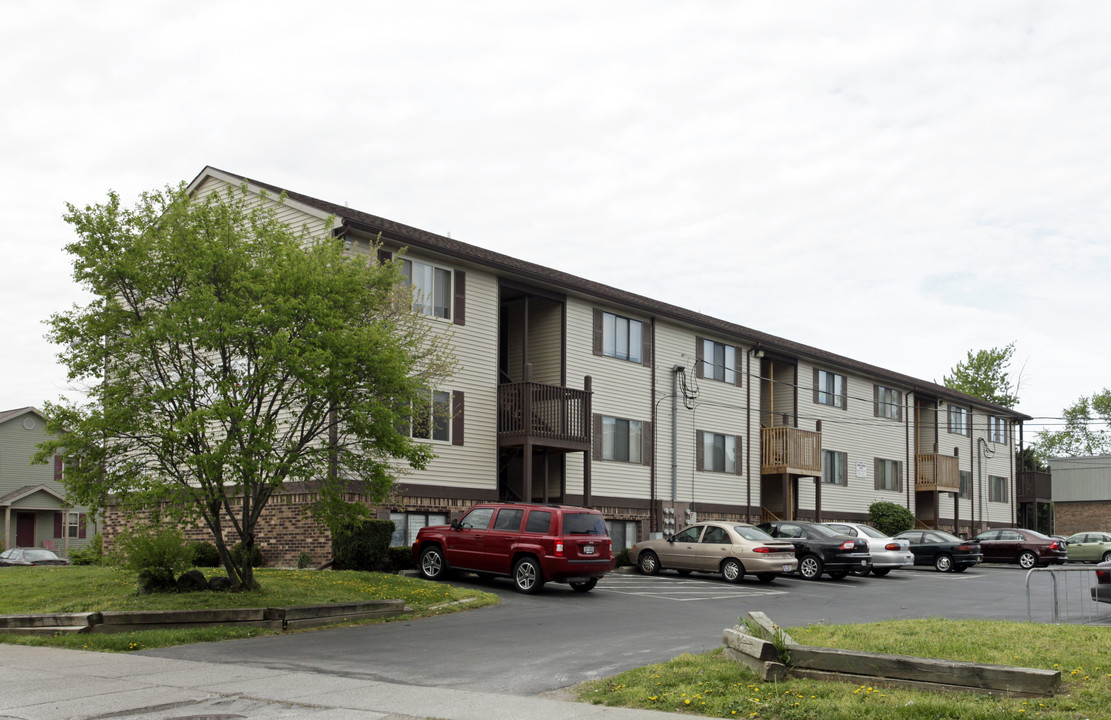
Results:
<point x="363" y="544"/>
<point x="91" y="554"/>
<point x="304" y="560"/>
<point x="890" y="518"/>
<point x="205" y="554"/>
<point x="236" y="551"/>
<point x="622" y="558"/>
<point x="401" y="558"/>
<point x="155" y="553"/>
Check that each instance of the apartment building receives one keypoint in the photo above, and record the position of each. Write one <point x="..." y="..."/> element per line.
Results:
<point x="569" y="390"/>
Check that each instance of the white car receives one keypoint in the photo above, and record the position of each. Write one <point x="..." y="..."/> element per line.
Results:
<point x="888" y="553"/>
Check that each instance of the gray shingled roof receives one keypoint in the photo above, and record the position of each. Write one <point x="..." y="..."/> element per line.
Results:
<point x="408" y="236"/>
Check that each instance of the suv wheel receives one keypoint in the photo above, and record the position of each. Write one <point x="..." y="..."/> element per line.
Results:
<point x="432" y="564"/>
<point x="649" y="563"/>
<point x="527" y="575"/>
<point x="585" y="586"/>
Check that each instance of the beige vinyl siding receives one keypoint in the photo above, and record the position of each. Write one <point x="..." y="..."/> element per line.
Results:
<point x="291" y="213"/>
<point x="862" y="437"/>
<point x="781" y="376"/>
<point x="545" y="332"/>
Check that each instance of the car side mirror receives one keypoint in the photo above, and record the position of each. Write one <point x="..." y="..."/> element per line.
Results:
<point x="671" y="538"/>
<point x="456" y="525"/>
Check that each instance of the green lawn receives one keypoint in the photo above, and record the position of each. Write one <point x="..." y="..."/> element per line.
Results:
<point x="715" y="686"/>
<point x="89" y="589"/>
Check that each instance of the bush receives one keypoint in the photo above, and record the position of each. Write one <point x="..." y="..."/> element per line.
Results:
<point x="622" y="558"/>
<point x="156" y="554"/>
<point x="890" y="518"/>
<point x="205" y="554"/>
<point x="304" y="560"/>
<point x="401" y="558"/>
<point x="237" y="555"/>
<point x="91" y="554"/>
<point x="362" y="545"/>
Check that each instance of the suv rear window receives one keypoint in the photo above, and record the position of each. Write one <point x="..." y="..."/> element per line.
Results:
<point x="583" y="524"/>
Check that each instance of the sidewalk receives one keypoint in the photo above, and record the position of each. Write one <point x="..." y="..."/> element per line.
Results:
<point x="51" y="684"/>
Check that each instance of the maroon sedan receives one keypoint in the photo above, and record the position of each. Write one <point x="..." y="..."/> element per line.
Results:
<point x="1028" y="548"/>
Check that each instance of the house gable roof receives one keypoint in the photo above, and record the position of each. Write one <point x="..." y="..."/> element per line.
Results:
<point x="28" y="490"/>
<point x="414" y="237"/>
<point x="6" y="415"/>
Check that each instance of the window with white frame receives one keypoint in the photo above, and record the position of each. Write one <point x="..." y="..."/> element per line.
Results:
<point x="406" y="525"/>
<point x="835" y="467"/>
<point x="966" y="484"/>
<point x="719" y="361"/>
<point x="623" y="534"/>
<point x="889" y="474"/>
<point x="73" y="524"/>
<point x="431" y="288"/>
<point x="430" y="418"/>
<point x="621" y="439"/>
<point x="997" y="429"/>
<point x="719" y="453"/>
<point x="958" y="420"/>
<point x="829" y="388"/>
<point x="997" y="488"/>
<point x="622" y="337"/>
<point x="889" y="403"/>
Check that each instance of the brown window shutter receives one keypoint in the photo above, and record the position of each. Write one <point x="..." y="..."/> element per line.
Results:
<point x="738" y="466"/>
<point x="646" y="443"/>
<point x="597" y="331"/>
<point x="815" y="386"/>
<point x="876" y="474"/>
<point x="459" y="312"/>
<point x="698" y="359"/>
<point x="646" y="338"/>
<point x="58" y="468"/>
<point x="59" y="527"/>
<point x="738" y="365"/>
<point x="875" y="401"/>
<point x="81" y="525"/>
<point x="596" y="446"/>
<point x="700" y="461"/>
<point x="384" y="256"/>
<point x="457" y="417"/>
<point x="899" y="476"/>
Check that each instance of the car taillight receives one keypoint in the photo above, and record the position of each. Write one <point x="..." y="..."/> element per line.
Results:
<point x="891" y="546"/>
<point x="1054" y="545"/>
<point x="1103" y="576"/>
<point x="964" y="548"/>
<point x="559" y="548"/>
<point x="848" y="545"/>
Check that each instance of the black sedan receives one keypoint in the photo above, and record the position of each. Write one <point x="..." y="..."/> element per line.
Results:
<point x="30" y="556"/>
<point x="944" y="551"/>
<point x="820" y="549"/>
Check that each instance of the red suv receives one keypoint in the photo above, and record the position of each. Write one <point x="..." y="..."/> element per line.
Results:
<point x="531" y="543"/>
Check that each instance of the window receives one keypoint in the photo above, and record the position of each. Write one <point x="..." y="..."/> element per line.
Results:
<point x="431" y="420"/>
<point x="997" y="429"/>
<point x="834" y="467"/>
<point x="509" y="519"/>
<point x="716" y="535"/>
<point x="539" y="521"/>
<point x="997" y="488"/>
<point x="719" y="362"/>
<point x="406" y="525"/>
<point x="73" y="522"/>
<point x="966" y="484"/>
<point x="621" y="440"/>
<point x="431" y="288"/>
<point x="829" y="388"/>
<point x="623" y="534"/>
<point x="622" y="337"/>
<point x="718" y="453"/>
<point x="958" y="420"/>
<point x="478" y="519"/>
<point x="889" y="474"/>
<point x="889" y="403"/>
<point x="691" y="534"/>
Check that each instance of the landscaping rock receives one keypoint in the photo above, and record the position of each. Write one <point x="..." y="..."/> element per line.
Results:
<point x="156" y="580"/>
<point x="192" y="581"/>
<point x="220" y="583"/>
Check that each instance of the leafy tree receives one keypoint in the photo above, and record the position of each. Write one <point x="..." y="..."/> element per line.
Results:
<point x="984" y="375"/>
<point x="225" y="354"/>
<point x="1087" y="429"/>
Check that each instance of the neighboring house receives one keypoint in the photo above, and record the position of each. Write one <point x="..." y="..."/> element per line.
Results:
<point x="33" y="507"/>
<point x="1081" y="491"/>
<point x="569" y="390"/>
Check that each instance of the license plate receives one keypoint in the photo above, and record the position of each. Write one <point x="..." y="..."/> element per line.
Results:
<point x="588" y="549"/>
<point x="787" y="568"/>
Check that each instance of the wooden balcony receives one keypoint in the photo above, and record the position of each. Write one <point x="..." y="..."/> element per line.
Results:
<point x="1033" y="487"/>
<point x="788" y="450"/>
<point x="544" y="415"/>
<point x="937" y="472"/>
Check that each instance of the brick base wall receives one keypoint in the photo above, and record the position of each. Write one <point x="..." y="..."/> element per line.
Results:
<point x="1073" y="517"/>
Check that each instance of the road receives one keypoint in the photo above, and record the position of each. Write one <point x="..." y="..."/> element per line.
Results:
<point x="533" y="644"/>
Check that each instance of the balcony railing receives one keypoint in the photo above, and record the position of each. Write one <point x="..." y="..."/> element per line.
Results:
<point x="1033" y="486"/>
<point x="791" y="451"/>
<point x="937" y="472"/>
<point x="547" y="415"/>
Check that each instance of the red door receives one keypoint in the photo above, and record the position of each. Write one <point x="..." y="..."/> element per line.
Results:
<point x="25" y="529"/>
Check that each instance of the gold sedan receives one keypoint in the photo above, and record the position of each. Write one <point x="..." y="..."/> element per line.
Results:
<point x="717" y="546"/>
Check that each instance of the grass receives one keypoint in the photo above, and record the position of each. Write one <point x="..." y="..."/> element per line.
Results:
<point x="91" y="589"/>
<point x="712" y="685"/>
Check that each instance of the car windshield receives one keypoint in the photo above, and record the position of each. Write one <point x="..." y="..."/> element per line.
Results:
<point x="39" y="555"/>
<point x="749" y="532"/>
<point x="870" y="531"/>
<point x="583" y="524"/>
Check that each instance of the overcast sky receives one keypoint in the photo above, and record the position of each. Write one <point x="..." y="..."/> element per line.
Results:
<point x="895" y="182"/>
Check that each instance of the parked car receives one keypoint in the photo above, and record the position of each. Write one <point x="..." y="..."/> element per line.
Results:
<point x="820" y="549"/>
<point x="732" y="549"/>
<point x="1089" y="547"/>
<point x="887" y="552"/>
<point x="30" y="556"/>
<point x="530" y="543"/>
<point x="1028" y="548"/>
<point x="1101" y="591"/>
<point x="947" y="553"/>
